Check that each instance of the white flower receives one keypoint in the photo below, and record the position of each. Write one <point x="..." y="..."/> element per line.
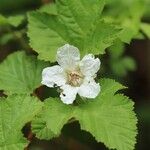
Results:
<point x="72" y="75"/>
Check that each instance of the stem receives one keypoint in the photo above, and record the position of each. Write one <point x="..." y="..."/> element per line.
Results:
<point x="30" y="136"/>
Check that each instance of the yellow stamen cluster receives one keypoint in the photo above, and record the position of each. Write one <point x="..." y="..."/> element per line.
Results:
<point x="75" y="78"/>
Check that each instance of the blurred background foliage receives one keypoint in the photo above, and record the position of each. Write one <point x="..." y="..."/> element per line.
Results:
<point x="127" y="62"/>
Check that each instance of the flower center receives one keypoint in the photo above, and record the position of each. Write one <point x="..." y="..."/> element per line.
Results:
<point x="75" y="78"/>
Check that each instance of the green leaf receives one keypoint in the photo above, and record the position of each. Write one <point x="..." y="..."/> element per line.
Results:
<point x="5" y="38"/>
<point x="121" y="66"/>
<point x="109" y="118"/>
<point x="52" y="34"/>
<point x="49" y="8"/>
<point x="20" y="73"/>
<point x="50" y="121"/>
<point x="117" y="50"/>
<point x="130" y="30"/>
<point x="139" y="36"/>
<point x="145" y="27"/>
<point x="16" y="111"/>
<point x="3" y="20"/>
<point x="14" y="21"/>
<point x="78" y="13"/>
<point x="127" y="17"/>
<point x="109" y="86"/>
<point x="69" y="25"/>
<point x="129" y="63"/>
<point x="100" y="37"/>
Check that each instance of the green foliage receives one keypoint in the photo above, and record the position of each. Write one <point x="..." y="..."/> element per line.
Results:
<point x="14" y="21"/>
<point x="101" y="37"/>
<point x="147" y="10"/>
<point x="20" y="73"/>
<point x="128" y="15"/>
<point x="90" y="25"/>
<point x="49" y="8"/>
<point x="119" y="64"/>
<point x="3" y="20"/>
<point x="76" y="22"/>
<point x="16" y="111"/>
<point x="145" y="27"/>
<point x="50" y="121"/>
<point x="109" y="118"/>
<point x="117" y="49"/>
<point x="4" y="39"/>
<point x="14" y="6"/>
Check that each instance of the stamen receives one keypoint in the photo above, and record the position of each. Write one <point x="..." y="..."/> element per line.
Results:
<point x="75" y="78"/>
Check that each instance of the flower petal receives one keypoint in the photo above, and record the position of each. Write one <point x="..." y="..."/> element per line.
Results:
<point x="89" y="66"/>
<point x="69" y="94"/>
<point x="53" y="75"/>
<point x="68" y="56"/>
<point x="89" y="89"/>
